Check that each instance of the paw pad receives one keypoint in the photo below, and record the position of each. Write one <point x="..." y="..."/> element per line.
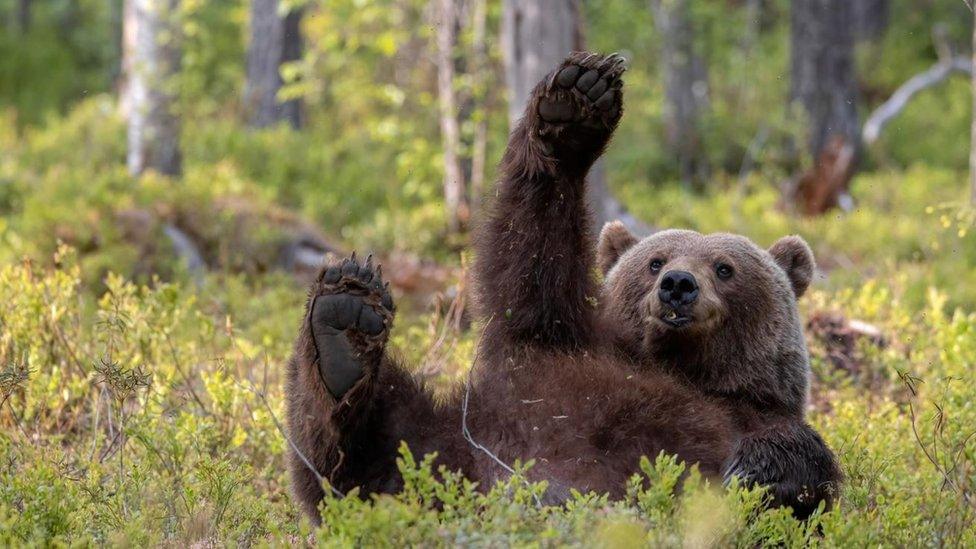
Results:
<point x="352" y="297"/>
<point x="586" y="88"/>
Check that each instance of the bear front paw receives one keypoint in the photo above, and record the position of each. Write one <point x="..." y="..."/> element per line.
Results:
<point x="580" y="103"/>
<point x="795" y="465"/>
<point x="351" y="314"/>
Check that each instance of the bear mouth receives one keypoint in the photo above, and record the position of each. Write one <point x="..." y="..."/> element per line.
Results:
<point x="676" y="319"/>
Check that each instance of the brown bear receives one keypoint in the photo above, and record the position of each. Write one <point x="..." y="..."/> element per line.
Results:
<point x="553" y="378"/>
<point x="719" y="313"/>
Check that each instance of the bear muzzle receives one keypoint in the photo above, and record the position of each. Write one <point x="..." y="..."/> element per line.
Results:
<point x="678" y="292"/>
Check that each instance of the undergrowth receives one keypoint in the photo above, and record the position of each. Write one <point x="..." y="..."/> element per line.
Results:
<point x="140" y="406"/>
<point x="149" y="415"/>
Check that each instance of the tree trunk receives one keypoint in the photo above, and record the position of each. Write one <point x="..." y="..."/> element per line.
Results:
<point x="24" y="15"/>
<point x="686" y="88"/>
<point x="69" y="18"/>
<point x="823" y="81"/>
<point x="972" y="137"/>
<point x="292" y="50"/>
<point x="274" y="40"/>
<point x="754" y="15"/>
<point x="823" y="84"/>
<point x="480" y="68"/>
<point x="152" y="61"/>
<point x="871" y="18"/>
<point x="455" y="190"/>
<point x="116" y="72"/>
<point x="536" y="35"/>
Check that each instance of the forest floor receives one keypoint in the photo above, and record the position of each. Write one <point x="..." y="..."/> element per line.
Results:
<point x="141" y="405"/>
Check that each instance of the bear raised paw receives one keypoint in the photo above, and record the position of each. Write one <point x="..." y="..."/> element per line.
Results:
<point x="351" y="313"/>
<point x="579" y="105"/>
<point x="344" y="389"/>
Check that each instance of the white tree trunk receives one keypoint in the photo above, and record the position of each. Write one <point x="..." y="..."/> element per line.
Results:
<point x="455" y="195"/>
<point x="152" y="60"/>
<point x="972" y="144"/>
<point x="275" y="39"/>
<point x="536" y="35"/>
<point x="480" y="68"/>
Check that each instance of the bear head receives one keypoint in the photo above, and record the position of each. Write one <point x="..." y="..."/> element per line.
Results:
<point x="715" y="309"/>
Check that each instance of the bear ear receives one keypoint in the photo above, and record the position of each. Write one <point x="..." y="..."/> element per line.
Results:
<point x="615" y="239"/>
<point x="795" y="257"/>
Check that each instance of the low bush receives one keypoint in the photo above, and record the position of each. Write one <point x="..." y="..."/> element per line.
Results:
<point x="150" y="414"/>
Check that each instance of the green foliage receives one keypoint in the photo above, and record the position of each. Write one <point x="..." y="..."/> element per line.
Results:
<point x="160" y="417"/>
<point x="69" y="51"/>
<point x="909" y="228"/>
<point x="148" y="415"/>
<point x="140" y="408"/>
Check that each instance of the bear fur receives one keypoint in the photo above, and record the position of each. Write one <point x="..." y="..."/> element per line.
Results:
<point x="557" y="378"/>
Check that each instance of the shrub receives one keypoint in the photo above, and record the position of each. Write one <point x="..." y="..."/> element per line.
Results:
<point x="149" y="415"/>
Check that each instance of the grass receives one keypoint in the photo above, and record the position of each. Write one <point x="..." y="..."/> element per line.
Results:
<point x="139" y="408"/>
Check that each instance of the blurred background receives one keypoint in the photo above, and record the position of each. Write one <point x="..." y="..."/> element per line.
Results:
<point x="172" y="172"/>
<point x="251" y="136"/>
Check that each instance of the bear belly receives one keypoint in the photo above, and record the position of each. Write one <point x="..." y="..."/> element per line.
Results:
<point x="586" y="421"/>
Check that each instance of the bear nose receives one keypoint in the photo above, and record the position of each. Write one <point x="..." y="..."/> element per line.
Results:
<point x="678" y="288"/>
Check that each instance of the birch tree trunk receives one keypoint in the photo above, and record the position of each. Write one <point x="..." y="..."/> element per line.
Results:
<point x="151" y="64"/>
<point x="275" y="39"/>
<point x="972" y="137"/>
<point x="536" y="35"/>
<point x="480" y="68"/>
<point x="686" y="88"/>
<point x="455" y="189"/>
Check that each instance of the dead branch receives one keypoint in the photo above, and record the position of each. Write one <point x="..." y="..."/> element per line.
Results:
<point x="948" y="471"/>
<point x="903" y="95"/>
<point x="187" y="251"/>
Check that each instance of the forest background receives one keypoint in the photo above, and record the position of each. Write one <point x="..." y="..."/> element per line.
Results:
<point x="172" y="172"/>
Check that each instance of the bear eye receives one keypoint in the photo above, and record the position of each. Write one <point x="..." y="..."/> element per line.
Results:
<point x="724" y="271"/>
<point x="657" y="265"/>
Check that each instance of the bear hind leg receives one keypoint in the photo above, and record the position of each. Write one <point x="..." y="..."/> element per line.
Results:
<point x="350" y="317"/>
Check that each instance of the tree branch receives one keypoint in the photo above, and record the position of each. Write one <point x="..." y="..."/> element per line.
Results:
<point x="899" y="100"/>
